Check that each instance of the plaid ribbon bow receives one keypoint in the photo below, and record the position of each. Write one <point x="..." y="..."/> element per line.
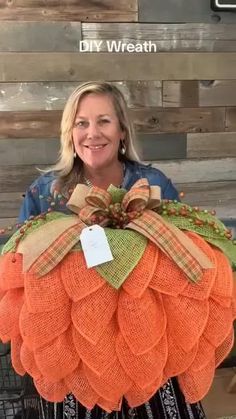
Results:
<point x="134" y="212"/>
<point x="97" y="206"/>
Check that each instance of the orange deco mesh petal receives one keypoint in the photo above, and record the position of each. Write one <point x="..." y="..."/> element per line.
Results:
<point x="16" y="344"/>
<point x="78" y="384"/>
<point x="10" y="307"/>
<point x="53" y="392"/>
<point x="137" y="282"/>
<point x="178" y="359"/>
<point x="136" y="396"/>
<point x="91" y="315"/>
<point x="38" y="292"/>
<point x="206" y="351"/>
<point x="162" y="277"/>
<point x="187" y="319"/>
<point x="28" y="361"/>
<point x="222" y="291"/>
<point x="77" y="279"/>
<point x="112" y="384"/>
<point x="195" y="386"/>
<point x="11" y="275"/>
<point x="219" y="323"/>
<point x="58" y="358"/>
<point x="225" y="348"/>
<point x="38" y="329"/>
<point x="98" y="356"/>
<point x="145" y="313"/>
<point x="142" y="369"/>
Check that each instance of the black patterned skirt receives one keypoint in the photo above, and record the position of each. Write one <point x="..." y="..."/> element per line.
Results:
<point x="167" y="403"/>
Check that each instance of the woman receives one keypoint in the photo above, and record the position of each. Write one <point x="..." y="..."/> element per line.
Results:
<point x="97" y="148"/>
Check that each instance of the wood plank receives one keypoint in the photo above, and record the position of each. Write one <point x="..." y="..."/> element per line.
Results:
<point x="211" y="145"/>
<point x="7" y="222"/>
<point x="220" y="196"/>
<point x="179" y="119"/>
<point x="18" y="178"/>
<point x="29" y="151"/>
<point x="231" y="119"/>
<point x="53" y="95"/>
<point x="70" y="10"/>
<point x="202" y="170"/>
<point x="125" y="66"/>
<point x="37" y="124"/>
<point x="199" y="93"/>
<point x="35" y="96"/>
<point x="166" y="36"/>
<point x="10" y="203"/>
<point x="181" y="11"/>
<point x="34" y="36"/>
<point x="141" y="93"/>
<point x="45" y="124"/>
<point x="161" y="146"/>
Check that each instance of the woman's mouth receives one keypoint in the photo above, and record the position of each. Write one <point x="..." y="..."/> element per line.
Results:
<point x="95" y="147"/>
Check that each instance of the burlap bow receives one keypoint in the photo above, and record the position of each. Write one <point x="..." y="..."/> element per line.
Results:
<point x="96" y="205"/>
<point x="132" y="211"/>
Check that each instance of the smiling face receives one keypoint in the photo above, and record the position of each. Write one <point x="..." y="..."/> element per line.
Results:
<point x="97" y="132"/>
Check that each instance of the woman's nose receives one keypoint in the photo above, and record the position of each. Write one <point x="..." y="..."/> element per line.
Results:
<point x="93" y="130"/>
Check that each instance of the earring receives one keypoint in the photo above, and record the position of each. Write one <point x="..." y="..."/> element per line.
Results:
<point x="74" y="155"/>
<point x="122" y="147"/>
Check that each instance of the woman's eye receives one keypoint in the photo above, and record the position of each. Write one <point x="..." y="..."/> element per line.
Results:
<point x="80" y="124"/>
<point x="104" y="121"/>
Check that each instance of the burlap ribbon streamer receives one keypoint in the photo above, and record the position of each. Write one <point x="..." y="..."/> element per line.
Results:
<point x="135" y="213"/>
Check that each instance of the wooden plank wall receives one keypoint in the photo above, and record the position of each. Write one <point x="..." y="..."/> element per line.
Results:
<point x="182" y="98"/>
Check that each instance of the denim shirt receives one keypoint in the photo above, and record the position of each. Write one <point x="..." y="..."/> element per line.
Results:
<point x="38" y="197"/>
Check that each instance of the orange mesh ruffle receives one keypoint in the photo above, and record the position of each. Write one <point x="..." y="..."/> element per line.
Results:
<point x="58" y="358"/>
<point x="51" y="391"/>
<point x="10" y="308"/>
<point x="11" y="275"/>
<point x="38" y="329"/>
<point x="16" y="344"/>
<point x="50" y="285"/>
<point x="72" y="332"/>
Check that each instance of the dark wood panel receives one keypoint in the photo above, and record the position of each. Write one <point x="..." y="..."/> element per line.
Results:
<point x="166" y="36"/>
<point x="199" y="93"/>
<point x="17" y="178"/>
<point x="34" y="36"/>
<point x="231" y="119"/>
<point x="10" y="203"/>
<point x="43" y="124"/>
<point x="179" y="119"/>
<point x="70" y="10"/>
<point x="125" y="66"/>
<point x="37" y="124"/>
<point x="211" y="145"/>
<point x="5" y="223"/>
<point x="29" y="151"/>
<point x="181" y="11"/>
<point x="220" y="196"/>
<point x="161" y="146"/>
<point x="53" y="95"/>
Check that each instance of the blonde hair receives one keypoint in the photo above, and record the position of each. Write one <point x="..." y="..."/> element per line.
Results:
<point x="68" y="169"/>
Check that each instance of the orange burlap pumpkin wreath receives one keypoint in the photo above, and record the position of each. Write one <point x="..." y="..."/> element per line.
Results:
<point x="122" y="329"/>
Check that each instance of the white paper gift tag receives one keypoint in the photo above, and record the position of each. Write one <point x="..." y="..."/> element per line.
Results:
<point x="95" y="246"/>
